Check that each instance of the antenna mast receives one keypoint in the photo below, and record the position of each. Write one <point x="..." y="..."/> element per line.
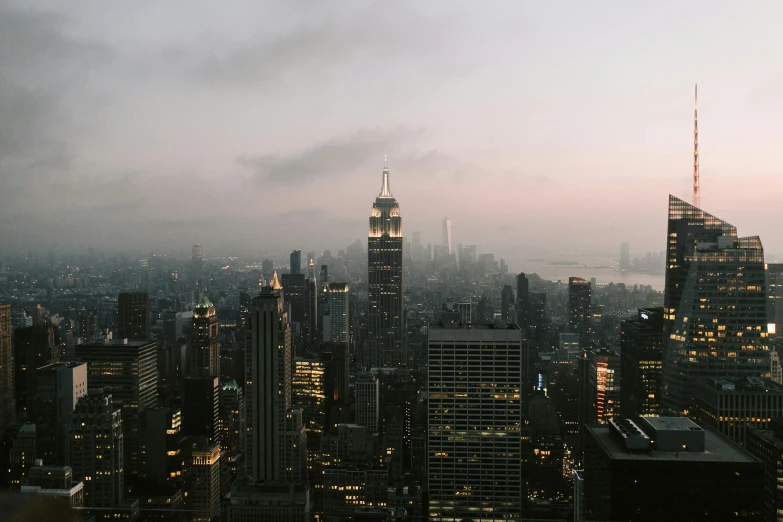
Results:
<point x="696" y="186"/>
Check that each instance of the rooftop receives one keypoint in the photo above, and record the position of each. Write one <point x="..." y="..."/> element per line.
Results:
<point x="717" y="448"/>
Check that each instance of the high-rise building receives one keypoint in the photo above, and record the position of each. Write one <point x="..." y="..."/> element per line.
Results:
<point x="97" y="453"/>
<point x="58" y="388"/>
<point x="733" y="406"/>
<point x="537" y="318"/>
<point x="367" y="403"/>
<point x="133" y="318"/>
<point x="506" y="300"/>
<point x="604" y="384"/>
<point x="767" y="446"/>
<point x="204" y="492"/>
<point x="667" y="468"/>
<point x="204" y="341"/>
<point x="295" y="262"/>
<point x="232" y="419"/>
<point x="172" y="326"/>
<point x="474" y="429"/>
<point x="33" y="348"/>
<point x="687" y="226"/>
<point x="7" y="393"/>
<point x="642" y="342"/>
<point x="447" y="235"/>
<point x="579" y="297"/>
<point x="386" y="330"/>
<point x="268" y="390"/>
<point x="336" y="321"/>
<point x="294" y="286"/>
<point x="128" y="371"/>
<point x="715" y="303"/>
<point x="311" y="304"/>
<point x="625" y="256"/>
<point x="201" y="408"/>
<point x="775" y="297"/>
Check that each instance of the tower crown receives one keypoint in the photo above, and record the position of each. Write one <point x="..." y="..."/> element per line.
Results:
<point x="385" y="190"/>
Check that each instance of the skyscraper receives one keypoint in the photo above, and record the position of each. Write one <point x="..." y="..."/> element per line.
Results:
<point x="97" y="452"/>
<point x="296" y="262"/>
<point x="128" y="371"/>
<point x="7" y="394"/>
<point x="204" y="343"/>
<point x="641" y="357"/>
<point x="201" y="408"/>
<point x="523" y="303"/>
<point x="579" y="306"/>
<point x="474" y="427"/>
<point x="336" y="320"/>
<point x="604" y="384"/>
<point x="33" y="348"/>
<point x="384" y="260"/>
<point x="368" y="402"/>
<point x="716" y="304"/>
<point x="133" y="321"/>
<point x="506" y="300"/>
<point x="447" y="235"/>
<point x="775" y="297"/>
<point x="268" y="390"/>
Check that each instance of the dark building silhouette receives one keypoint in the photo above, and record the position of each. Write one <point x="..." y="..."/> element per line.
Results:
<point x="128" y="371"/>
<point x="642" y="341"/>
<point x="133" y="316"/>
<point x="767" y="446"/>
<point x="579" y="298"/>
<point x="34" y="347"/>
<point x="201" y="407"/>
<point x="385" y="276"/>
<point x="506" y="302"/>
<point x="296" y="262"/>
<point x="715" y="305"/>
<point x="7" y="393"/>
<point x="295" y="288"/>
<point x="667" y="468"/>
<point x="523" y="303"/>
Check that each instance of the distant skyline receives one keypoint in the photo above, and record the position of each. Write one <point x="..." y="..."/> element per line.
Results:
<point x="536" y="128"/>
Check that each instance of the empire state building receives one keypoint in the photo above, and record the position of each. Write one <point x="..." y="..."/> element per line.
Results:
<point x="384" y="260"/>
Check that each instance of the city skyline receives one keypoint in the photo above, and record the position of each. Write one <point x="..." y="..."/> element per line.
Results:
<point x="145" y="159"/>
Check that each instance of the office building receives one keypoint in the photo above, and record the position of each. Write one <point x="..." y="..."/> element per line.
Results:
<point x="336" y="320"/>
<point x="604" y="384"/>
<point x="172" y="326"/>
<point x="133" y="316"/>
<point x="717" y="310"/>
<point x="7" y="393"/>
<point x="767" y="446"/>
<point x="642" y="342"/>
<point x="23" y="454"/>
<point x="204" y="484"/>
<point x="295" y="262"/>
<point x="625" y="256"/>
<point x="579" y="313"/>
<point x="127" y="370"/>
<point x="311" y="303"/>
<point x="732" y="406"/>
<point x="473" y="428"/>
<point x="204" y="341"/>
<point x="506" y="304"/>
<point x="201" y="408"/>
<point x="268" y="502"/>
<point x="523" y="302"/>
<point x="268" y="390"/>
<point x="58" y="388"/>
<point x="367" y="402"/>
<point x="33" y="348"/>
<point x="232" y="419"/>
<point x="295" y="288"/>
<point x="537" y="318"/>
<point x="667" y="468"/>
<point x="309" y="393"/>
<point x="775" y="298"/>
<point x="386" y="329"/>
<point x="55" y="482"/>
<point x="97" y="453"/>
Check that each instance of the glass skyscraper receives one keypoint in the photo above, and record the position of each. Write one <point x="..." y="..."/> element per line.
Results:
<point x="384" y="259"/>
<point x="715" y="305"/>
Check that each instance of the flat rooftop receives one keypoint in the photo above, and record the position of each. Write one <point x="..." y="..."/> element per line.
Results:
<point x="717" y="449"/>
<point x="672" y="423"/>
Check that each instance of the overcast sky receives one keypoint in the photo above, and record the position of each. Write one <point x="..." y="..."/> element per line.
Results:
<point x="251" y="127"/>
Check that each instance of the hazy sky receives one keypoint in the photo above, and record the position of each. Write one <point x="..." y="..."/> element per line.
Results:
<point x="249" y="127"/>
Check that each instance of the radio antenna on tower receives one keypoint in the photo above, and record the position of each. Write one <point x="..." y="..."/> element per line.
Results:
<point x="696" y="191"/>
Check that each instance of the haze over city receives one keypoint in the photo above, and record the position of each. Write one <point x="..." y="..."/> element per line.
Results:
<point x="537" y="128"/>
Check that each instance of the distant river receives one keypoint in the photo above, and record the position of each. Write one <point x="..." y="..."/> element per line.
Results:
<point x="587" y="268"/>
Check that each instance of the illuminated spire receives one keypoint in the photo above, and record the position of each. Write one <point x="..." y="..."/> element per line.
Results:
<point x="385" y="190"/>
<point x="696" y="186"/>
<point x="275" y="283"/>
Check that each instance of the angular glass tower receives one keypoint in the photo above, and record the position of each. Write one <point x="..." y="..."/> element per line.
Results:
<point x="715" y="305"/>
<point x="384" y="259"/>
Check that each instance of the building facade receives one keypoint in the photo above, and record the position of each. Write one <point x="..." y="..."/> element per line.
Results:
<point x="642" y="342"/>
<point x="7" y="393"/>
<point x="579" y="299"/>
<point x="204" y="341"/>
<point x="133" y="316"/>
<point x="367" y="404"/>
<point x="474" y="422"/>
